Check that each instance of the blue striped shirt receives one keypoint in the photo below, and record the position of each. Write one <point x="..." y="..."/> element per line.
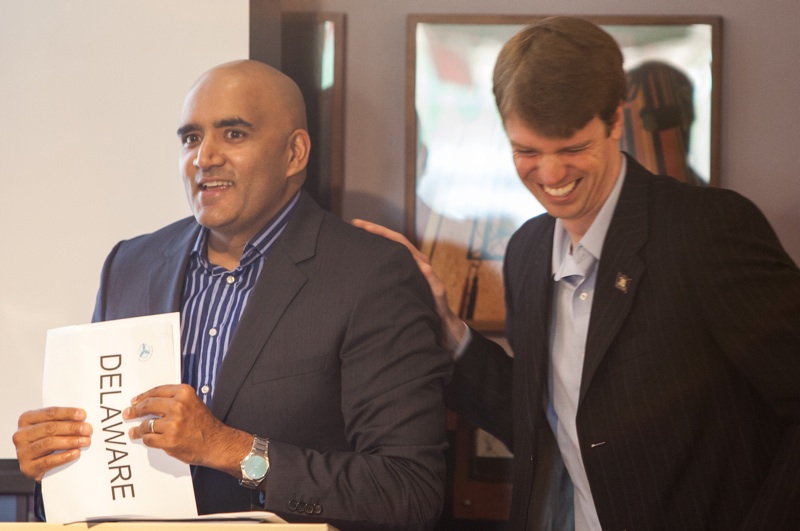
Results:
<point x="214" y="299"/>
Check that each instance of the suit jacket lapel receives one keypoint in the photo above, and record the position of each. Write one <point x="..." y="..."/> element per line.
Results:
<point x="276" y="287"/>
<point x="532" y="317"/>
<point x="621" y="269"/>
<point x="542" y="284"/>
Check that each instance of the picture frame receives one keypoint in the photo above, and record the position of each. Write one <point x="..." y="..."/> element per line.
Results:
<point x="313" y="55"/>
<point x="463" y="198"/>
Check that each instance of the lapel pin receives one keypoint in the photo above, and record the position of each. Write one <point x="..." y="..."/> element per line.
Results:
<point x="622" y="282"/>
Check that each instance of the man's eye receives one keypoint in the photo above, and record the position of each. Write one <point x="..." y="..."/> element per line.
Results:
<point x="190" y="139"/>
<point x="575" y="151"/>
<point x="234" y="135"/>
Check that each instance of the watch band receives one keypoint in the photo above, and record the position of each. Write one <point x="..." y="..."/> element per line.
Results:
<point x="255" y="465"/>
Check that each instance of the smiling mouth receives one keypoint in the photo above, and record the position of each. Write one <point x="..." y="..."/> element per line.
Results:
<point x="215" y="185"/>
<point x="561" y="191"/>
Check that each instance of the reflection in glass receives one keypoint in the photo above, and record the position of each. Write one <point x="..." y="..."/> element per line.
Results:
<point x="468" y="197"/>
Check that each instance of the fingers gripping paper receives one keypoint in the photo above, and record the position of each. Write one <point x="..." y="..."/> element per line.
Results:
<point x="99" y="367"/>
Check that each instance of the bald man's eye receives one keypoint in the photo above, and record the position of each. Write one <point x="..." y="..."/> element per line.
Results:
<point x="190" y="139"/>
<point x="233" y="134"/>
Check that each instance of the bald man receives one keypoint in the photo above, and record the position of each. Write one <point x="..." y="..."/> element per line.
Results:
<point x="303" y="392"/>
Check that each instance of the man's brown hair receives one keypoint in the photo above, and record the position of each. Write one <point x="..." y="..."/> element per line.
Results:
<point x="556" y="75"/>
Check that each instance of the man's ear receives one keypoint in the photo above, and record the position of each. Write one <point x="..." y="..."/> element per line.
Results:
<point x="616" y="130"/>
<point x="298" y="148"/>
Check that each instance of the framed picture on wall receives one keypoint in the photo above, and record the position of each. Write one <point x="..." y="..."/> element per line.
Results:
<point x="463" y="197"/>
<point x="312" y="53"/>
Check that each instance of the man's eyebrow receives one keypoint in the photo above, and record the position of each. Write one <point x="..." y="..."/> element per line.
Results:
<point x="577" y="146"/>
<point x="225" y="122"/>
<point x="229" y="122"/>
<point x="182" y="130"/>
<point x="518" y="145"/>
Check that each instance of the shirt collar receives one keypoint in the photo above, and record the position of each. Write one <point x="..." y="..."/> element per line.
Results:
<point x="592" y="241"/>
<point x="259" y="244"/>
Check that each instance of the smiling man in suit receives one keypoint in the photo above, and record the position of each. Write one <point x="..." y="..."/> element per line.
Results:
<point x="655" y="326"/>
<point x="312" y="381"/>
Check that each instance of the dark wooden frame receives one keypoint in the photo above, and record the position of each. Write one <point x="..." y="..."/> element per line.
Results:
<point x="300" y="59"/>
<point x="494" y="323"/>
<point x="481" y="487"/>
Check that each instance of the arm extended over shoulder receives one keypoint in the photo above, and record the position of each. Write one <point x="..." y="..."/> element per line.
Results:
<point x="481" y="387"/>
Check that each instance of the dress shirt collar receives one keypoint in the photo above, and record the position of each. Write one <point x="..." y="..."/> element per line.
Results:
<point x="258" y="245"/>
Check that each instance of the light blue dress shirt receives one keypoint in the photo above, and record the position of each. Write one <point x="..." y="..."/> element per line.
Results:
<point x="575" y="273"/>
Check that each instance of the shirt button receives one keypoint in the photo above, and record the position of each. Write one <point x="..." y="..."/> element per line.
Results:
<point x="212" y="332"/>
<point x="230" y="280"/>
<point x="205" y="389"/>
<point x="584" y="296"/>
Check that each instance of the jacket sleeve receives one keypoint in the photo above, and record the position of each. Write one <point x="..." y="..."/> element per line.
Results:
<point x="100" y="301"/>
<point x="481" y="387"/>
<point x="753" y="312"/>
<point x="392" y="379"/>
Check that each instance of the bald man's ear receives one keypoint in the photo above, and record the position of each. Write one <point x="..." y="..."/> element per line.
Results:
<point x="298" y="148"/>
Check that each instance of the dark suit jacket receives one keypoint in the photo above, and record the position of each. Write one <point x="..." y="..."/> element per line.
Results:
<point x="335" y="360"/>
<point x="689" y="411"/>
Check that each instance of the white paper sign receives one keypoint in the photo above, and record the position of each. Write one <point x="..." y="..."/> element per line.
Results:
<point x="99" y="367"/>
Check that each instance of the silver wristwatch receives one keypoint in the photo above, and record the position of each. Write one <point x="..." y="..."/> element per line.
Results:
<point x="255" y="465"/>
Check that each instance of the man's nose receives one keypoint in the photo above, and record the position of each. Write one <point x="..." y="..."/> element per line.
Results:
<point x="552" y="169"/>
<point x="208" y="154"/>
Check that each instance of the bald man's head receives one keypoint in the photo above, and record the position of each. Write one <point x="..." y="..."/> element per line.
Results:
<point x="245" y="147"/>
<point x="267" y="84"/>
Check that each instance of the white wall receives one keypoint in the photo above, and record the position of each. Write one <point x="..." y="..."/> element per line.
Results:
<point x="760" y="117"/>
<point x="90" y="96"/>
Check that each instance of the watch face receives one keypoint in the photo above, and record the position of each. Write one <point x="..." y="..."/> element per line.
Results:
<point x="255" y="467"/>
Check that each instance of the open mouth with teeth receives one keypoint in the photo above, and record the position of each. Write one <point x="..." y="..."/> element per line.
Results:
<point x="215" y="185"/>
<point x="561" y="191"/>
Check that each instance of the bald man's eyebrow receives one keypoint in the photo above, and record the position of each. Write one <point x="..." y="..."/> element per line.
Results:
<point x="235" y="121"/>
<point x="182" y="130"/>
<point x="225" y="122"/>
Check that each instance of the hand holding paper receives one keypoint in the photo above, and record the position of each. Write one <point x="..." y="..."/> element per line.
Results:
<point x="50" y="437"/>
<point x="186" y="429"/>
<point x="100" y="368"/>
